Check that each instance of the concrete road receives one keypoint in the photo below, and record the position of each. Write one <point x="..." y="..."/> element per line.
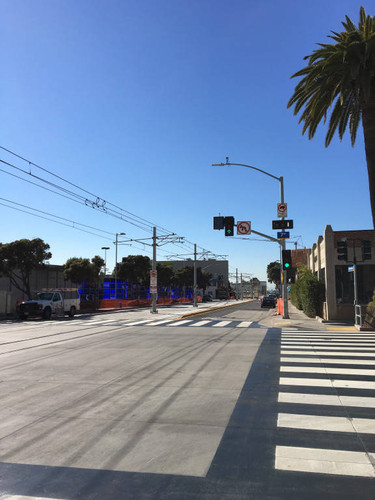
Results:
<point x="213" y="406"/>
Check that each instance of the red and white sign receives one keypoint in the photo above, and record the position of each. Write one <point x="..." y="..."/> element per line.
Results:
<point x="282" y="210"/>
<point x="153" y="281"/>
<point x="244" y="227"/>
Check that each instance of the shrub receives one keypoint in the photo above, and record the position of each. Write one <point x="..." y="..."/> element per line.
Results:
<point x="308" y="293"/>
<point x="370" y="313"/>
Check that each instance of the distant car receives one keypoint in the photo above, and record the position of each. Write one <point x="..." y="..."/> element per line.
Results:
<point x="267" y="301"/>
<point x="206" y="298"/>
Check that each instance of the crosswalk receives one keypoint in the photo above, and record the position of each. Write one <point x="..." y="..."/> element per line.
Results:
<point x="191" y="322"/>
<point x="169" y="322"/>
<point x="326" y="403"/>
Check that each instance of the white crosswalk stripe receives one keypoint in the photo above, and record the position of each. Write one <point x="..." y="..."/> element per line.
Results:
<point x="327" y="385"/>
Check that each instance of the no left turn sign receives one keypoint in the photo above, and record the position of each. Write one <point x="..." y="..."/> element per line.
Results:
<point x="244" y="227"/>
<point x="282" y="210"/>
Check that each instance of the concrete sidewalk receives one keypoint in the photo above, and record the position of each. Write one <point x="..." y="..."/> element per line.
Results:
<point x="299" y="319"/>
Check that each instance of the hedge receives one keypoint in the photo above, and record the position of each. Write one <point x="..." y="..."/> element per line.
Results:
<point x="307" y="294"/>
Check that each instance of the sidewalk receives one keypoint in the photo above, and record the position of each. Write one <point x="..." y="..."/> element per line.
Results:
<point x="299" y="319"/>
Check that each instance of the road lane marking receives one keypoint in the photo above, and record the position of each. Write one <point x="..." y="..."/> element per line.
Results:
<point x="316" y="382"/>
<point x="324" y="423"/>
<point x="329" y="371"/>
<point x="324" y="461"/>
<point x="325" y="399"/>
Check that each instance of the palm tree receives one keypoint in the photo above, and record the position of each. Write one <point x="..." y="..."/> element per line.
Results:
<point x="341" y="76"/>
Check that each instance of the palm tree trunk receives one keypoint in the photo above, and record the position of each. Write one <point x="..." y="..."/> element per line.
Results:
<point x="368" y="123"/>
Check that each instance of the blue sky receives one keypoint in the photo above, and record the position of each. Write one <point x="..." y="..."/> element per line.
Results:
<point x="133" y="100"/>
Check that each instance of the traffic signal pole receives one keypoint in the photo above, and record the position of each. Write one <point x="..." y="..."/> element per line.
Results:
<point x="284" y="273"/>
<point x="282" y="243"/>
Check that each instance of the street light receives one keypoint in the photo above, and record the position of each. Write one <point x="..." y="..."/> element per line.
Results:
<point x="283" y="243"/>
<point x="116" y="243"/>
<point x="105" y="259"/>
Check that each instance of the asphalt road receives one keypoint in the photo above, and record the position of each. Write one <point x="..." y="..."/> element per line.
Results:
<point x="206" y="407"/>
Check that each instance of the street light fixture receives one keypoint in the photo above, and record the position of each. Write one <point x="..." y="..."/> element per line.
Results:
<point x="282" y="243"/>
<point x="116" y="243"/>
<point x="105" y="259"/>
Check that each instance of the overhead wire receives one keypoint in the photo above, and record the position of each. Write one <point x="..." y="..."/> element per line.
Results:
<point x="99" y="203"/>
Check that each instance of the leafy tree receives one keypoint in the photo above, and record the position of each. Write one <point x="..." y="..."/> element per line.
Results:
<point x="273" y="273"/>
<point x="185" y="277"/>
<point x="165" y="274"/>
<point x="341" y="76"/>
<point x="19" y="258"/>
<point x="78" y="269"/>
<point x="135" y="269"/>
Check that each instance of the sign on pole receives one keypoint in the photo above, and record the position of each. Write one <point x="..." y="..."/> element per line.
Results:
<point x="282" y="210"/>
<point x="244" y="227"/>
<point x="283" y="235"/>
<point x="153" y="281"/>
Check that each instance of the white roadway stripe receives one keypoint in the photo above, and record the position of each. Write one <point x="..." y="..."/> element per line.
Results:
<point x="244" y="324"/>
<point x="201" y="323"/>
<point x="344" y="342"/>
<point x="324" y="399"/>
<point x="183" y="322"/>
<point x="339" y="333"/>
<point x="324" y="361"/>
<point x="318" y="382"/>
<point x="332" y="348"/>
<point x="222" y="323"/>
<point x="324" y="461"/>
<point x="344" y="335"/>
<point x="330" y="371"/>
<point x="140" y="322"/>
<point x="161" y="322"/>
<point x="328" y="353"/>
<point x="323" y="423"/>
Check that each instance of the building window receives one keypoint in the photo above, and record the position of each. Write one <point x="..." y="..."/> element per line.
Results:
<point x="345" y="284"/>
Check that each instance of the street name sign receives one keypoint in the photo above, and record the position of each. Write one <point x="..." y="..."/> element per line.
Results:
<point x="283" y="235"/>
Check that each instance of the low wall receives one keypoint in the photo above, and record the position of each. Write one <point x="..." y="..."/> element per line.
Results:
<point x="123" y="304"/>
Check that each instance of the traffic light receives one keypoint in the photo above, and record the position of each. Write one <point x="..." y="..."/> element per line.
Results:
<point x="366" y="250"/>
<point x="229" y="226"/>
<point x="287" y="259"/>
<point x="342" y="250"/>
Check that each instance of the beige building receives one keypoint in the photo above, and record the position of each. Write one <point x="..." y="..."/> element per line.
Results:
<point x="337" y="274"/>
<point x="50" y="276"/>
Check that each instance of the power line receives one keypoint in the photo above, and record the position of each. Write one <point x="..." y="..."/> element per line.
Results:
<point x="56" y="222"/>
<point x="97" y="203"/>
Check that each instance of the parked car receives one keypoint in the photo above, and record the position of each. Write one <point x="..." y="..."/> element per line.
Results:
<point x="268" y="301"/>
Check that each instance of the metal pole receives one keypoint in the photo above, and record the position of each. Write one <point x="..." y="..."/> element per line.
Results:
<point x="116" y="273"/>
<point x="284" y="273"/>
<point x="236" y="284"/>
<point x="241" y="288"/>
<point x="195" y="277"/>
<point x="154" y="295"/>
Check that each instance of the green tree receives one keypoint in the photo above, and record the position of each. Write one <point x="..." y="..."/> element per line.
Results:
<point x="185" y="277"/>
<point x="341" y="76"/>
<point x="273" y="273"/>
<point x="135" y="269"/>
<point x="19" y="258"/>
<point x="165" y="274"/>
<point x="78" y="269"/>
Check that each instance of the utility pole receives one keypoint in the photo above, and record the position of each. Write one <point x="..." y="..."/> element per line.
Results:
<point x="236" y="283"/>
<point x="195" y="277"/>
<point x="154" y="295"/>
